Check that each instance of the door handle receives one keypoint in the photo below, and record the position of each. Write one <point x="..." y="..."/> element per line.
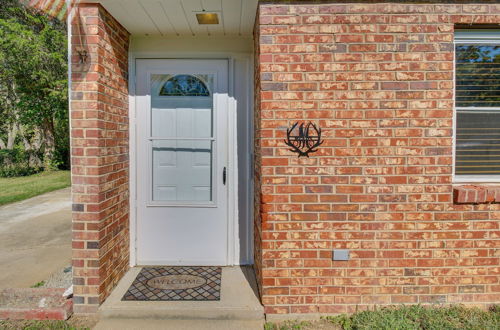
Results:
<point x="224" y="174"/>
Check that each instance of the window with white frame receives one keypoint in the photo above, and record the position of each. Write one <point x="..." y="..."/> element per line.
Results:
<point x="477" y="105"/>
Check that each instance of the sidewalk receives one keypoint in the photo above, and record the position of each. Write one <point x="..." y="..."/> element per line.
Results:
<point x="35" y="238"/>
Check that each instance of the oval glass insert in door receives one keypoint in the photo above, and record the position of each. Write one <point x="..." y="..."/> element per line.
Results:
<point x="182" y="138"/>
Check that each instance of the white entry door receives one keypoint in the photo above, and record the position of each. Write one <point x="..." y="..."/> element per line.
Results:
<point x="182" y="162"/>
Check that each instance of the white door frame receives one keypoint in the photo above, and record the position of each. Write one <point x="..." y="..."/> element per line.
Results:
<point x="234" y="249"/>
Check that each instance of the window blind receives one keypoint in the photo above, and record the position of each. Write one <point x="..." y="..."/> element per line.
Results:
<point x="477" y="102"/>
<point x="477" y="76"/>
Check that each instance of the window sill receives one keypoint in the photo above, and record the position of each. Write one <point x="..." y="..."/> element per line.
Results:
<point x="476" y="194"/>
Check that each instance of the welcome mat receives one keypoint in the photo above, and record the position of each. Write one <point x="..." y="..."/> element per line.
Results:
<point x="176" y="284"/>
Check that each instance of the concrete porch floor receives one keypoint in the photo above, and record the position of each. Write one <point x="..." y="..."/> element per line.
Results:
<point x="239" y="307"/>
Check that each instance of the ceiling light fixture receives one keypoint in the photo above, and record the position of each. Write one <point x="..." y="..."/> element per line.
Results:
<point x="207" y="18"/>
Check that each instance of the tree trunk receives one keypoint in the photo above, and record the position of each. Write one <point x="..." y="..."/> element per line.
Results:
<point x="13" y="129"/>
<point x="32" y="147"/>
<point x="11" y="135"/>
<point x="11" y="139"/>
<point x="49" y="144"/>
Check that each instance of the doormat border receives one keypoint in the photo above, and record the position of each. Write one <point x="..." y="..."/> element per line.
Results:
<point x="210" y="291"/>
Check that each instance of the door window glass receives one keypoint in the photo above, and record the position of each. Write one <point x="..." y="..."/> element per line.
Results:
<point x="182" y="136"/>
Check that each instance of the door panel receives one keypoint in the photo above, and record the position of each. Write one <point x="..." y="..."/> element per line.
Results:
<point x="181" y="154"/>
<point x="185" y="166"/>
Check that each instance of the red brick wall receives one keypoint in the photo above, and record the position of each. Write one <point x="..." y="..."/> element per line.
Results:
<point x="99" y="155"/>
<point x="378" y="78"/>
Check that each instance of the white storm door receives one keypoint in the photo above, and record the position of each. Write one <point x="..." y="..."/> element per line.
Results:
<point x="182" y="162"/>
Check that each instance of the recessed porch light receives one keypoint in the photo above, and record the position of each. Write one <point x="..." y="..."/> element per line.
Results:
<point x="207" y="18"/>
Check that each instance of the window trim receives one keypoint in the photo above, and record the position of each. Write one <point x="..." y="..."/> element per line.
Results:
<point x="474" y="36"/>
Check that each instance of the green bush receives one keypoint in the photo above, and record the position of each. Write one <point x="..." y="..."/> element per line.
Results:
<point x="16" y="155"/>
<point x="14" y="170"/>
<point x="18" y="162"/>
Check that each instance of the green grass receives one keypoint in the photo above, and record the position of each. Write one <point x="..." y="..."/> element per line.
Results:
<point x="420" y="317"/>
<point x="288" y="325"/>
<point x="38" y="325"/>
<point x="38" y="285"/>
<point x="20" y="188"/>
<point x="81" y="322"/>
<point x="412" y="317"/>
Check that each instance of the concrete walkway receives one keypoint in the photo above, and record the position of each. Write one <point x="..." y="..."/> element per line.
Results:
<point x="131" y="324"/>
<point x="35" y="238"/>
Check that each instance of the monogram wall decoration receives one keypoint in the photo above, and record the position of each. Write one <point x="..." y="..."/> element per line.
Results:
<point x="306" y="138"/>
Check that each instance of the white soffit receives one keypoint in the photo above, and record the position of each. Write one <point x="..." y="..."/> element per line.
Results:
<point x="178" y="17"/>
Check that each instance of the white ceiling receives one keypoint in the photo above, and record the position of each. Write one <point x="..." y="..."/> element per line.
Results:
<point x="177" y="17"/>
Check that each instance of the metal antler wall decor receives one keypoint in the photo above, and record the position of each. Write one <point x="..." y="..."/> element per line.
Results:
<point x="306" y="141"/>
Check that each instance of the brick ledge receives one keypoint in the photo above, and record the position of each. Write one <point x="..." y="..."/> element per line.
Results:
<point x="476" y="194"/>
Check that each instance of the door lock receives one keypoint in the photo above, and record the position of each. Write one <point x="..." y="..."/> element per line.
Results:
<point x="224" y="174"/>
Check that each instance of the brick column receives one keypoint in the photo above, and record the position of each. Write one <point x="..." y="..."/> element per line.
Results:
<point x="99" y="155"/>
<point x="257" y="232"/>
